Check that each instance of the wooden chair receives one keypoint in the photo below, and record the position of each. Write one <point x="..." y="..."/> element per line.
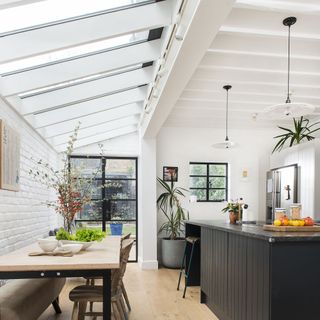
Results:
<point x="91" y="281"/>
<point x="81" y="295"/>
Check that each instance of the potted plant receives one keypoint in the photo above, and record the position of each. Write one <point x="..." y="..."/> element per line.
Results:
<point x="235" y="210"/>
<point x="116" y="226"/>
<point x="301" y="131"/>
<point x="169" y="204"/>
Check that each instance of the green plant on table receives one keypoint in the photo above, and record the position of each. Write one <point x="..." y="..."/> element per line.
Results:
<point x="83" y="235"/>
<point x="169" y="204"/>
<point x="231" y="206"/>
<point x="301" y="131"/>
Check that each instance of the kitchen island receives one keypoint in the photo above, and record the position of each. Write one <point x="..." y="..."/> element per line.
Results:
<point x="246" y="273"/>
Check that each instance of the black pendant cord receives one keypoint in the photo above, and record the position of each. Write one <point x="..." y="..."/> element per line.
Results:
<point x="227" y="88"/>
<point x="289" y="64"/>
<point x="288" y="22"/>
<point x="227" y="115"/>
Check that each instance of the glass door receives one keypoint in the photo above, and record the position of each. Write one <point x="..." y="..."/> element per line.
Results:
<point x="115" y="195"/>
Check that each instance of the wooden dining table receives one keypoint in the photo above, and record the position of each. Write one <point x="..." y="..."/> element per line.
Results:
<point x="97" y="261"/>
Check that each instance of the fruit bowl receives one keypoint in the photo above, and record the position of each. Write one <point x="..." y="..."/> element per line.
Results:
<point x="84" y="245"/>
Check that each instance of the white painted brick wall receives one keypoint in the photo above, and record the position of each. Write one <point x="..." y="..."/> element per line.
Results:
<point x="23" y="215"/>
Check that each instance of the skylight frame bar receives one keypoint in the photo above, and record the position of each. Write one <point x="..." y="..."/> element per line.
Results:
<point x="77" y="18"/>
<point x="67" y="85"/>
<point x="85" y="55"/>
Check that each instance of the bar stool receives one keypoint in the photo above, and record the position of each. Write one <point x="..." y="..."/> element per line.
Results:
<point x="189" y="241"/>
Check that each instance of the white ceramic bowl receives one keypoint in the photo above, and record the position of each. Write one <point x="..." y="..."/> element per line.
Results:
<point x="85" y="245"/>
<point x="73" y="247"/>
<point x="48" y="244"/>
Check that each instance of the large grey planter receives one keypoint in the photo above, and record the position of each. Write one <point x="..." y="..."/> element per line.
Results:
<point x="172" y="252"/>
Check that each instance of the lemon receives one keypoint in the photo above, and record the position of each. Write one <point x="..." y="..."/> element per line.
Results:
<point x="296" y="223"/>
<point x="277" y="222"/>
<point x="301" y="222"/>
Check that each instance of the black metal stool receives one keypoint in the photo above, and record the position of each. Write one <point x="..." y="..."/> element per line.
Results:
<point x="191" y="241"/>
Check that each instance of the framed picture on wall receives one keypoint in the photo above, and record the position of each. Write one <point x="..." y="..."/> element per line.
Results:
<point x="9" y="158"/>
<point x="170" y="174"/>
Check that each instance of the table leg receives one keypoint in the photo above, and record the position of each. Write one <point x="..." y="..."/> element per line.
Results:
<point x="107" y="295"/>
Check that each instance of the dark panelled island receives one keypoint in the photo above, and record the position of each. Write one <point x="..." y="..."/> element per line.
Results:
<point x="246" y="273"/>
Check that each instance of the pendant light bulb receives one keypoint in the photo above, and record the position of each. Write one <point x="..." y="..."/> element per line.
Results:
<point x="288" y="108"/>
<point x="226" y="144"/>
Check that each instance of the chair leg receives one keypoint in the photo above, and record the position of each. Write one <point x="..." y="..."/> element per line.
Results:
<point x="125" y="295"/>
<point x="188" y="272"/>
<point x="82" y="310"/>
<point x="182" y="265"/>
<point x="116" y="311"/>
<point x="56" y="306"/>
<point x="75" y="311"/>
<point x="123" y="307"/>
<point x="121" y="311"/>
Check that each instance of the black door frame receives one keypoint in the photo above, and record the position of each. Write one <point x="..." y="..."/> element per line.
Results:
<point x="105" y="217"/>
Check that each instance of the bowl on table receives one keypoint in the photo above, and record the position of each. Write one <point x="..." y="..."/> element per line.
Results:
<point x="72" y="247"/>
<point x="48" y="244"/>
<point x="85" y="245"/>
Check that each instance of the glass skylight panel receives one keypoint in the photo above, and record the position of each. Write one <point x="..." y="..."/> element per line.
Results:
<point x="80" y="80"/>
<point x="44" y="12"/>
<point x="72" y="53"/>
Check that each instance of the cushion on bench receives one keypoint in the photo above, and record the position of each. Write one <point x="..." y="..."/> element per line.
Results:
<point x="27" y="299"/>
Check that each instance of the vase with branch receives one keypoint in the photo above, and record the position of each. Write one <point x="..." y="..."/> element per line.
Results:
<point x="73" y="190"/>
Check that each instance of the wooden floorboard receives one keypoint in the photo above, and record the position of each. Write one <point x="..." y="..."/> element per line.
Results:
<point x="152" y="294"/>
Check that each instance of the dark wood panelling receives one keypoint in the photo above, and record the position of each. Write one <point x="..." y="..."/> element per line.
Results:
<point x="295" y="281"/>
<point x="257" y="297"/>
<point x="237" y="275"/>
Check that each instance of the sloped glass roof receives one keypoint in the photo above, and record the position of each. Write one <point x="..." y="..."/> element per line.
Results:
<point x="72" y="53"/>
<point x="45" y="12"/>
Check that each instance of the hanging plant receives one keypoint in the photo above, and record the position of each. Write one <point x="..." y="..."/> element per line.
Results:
<point x="302" y="131"/>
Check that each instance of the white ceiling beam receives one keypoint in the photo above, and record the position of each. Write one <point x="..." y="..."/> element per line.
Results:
<point x="305" y="66"/>
<point x="91" y="120"/>
<point x="255" y="75"/>
<point x="261" y="92"/>
<point x="184" y="57"/>
<point x="86" y="30"/>
<point x="301" y="7"/>
<point x="99" y="137"/>
<point x="84" y="91"/>
<point x="261" y="45"/>
<point x="236" y="96"/>
<point x="270" y="23"/>
<point x="82" y="109"/>
<point x="75" y="69"/>
<point x="98" y="129"/>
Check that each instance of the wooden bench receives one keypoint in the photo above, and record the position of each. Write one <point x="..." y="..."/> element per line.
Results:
<point x="27" y="299"/>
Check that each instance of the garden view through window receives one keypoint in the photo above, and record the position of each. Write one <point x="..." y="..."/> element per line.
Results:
<point x="209" y="181"/>
<point x="114" y="194"/>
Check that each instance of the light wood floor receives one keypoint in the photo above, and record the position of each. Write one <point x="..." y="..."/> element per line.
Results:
<point x="152" y="294"/>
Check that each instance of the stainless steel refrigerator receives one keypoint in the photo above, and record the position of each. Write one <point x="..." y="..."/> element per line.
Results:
<point x="282" y="187"/>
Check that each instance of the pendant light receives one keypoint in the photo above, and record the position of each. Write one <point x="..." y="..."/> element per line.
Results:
<point x="226" y="144"/>
<point x="289" y="108"/>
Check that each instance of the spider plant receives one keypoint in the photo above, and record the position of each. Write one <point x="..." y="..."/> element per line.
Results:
<point x="302" y="131"/>
<point x="169" y="204"/>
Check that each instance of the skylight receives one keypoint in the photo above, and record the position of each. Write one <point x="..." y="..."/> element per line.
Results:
<point x="78" y="81"/>
<point x="72" y="53"/>
<point x="44" y="12"/>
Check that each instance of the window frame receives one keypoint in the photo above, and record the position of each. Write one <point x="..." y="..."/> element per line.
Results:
<point x="208" y="176"/>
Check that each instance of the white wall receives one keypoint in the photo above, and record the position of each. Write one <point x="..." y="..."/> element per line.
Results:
<point x="23" y="216"/>
<point x="179" y="146"/>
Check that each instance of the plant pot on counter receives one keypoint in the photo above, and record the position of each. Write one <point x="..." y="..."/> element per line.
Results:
<point x="172" y="252"/>
<point x="233" y="217"/>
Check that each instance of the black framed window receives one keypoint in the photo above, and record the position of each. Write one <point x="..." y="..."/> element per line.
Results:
<point x="115" y="194"/>
<point x="209" y="181"/>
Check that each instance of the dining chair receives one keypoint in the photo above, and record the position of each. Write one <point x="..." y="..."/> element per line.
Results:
<point x="81" y="295"/>
<point x="91" y="281"/>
